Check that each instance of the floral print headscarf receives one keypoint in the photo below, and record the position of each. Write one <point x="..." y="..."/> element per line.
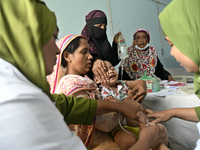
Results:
<point x="140" y="61"/>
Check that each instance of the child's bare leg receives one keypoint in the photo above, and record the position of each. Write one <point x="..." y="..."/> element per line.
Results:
<point x="161" y="147"/>
<point x="131" y="122"/>
<point x="124" y="140"/>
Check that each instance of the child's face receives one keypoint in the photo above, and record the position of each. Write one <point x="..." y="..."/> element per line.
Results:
<point x="184" y="61"/>
<point x="111" y="73"/>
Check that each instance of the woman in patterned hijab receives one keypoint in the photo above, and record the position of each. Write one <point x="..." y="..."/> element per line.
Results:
<point x="142" y="57"/>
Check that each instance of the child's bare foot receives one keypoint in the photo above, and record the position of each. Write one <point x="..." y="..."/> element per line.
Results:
<point x="142" y="118"/>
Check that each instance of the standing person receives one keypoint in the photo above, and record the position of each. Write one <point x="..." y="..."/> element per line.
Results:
<point x="100" y="48"/>
<point x="181" y="27"/>
<point x="142" y="57"/>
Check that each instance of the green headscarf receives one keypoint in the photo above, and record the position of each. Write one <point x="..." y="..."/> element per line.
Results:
<point x="26" y="25"/>
<point x="180" y="21"/>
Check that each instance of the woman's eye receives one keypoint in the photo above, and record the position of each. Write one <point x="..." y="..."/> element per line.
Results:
<point x="98" y="25"/>
<point x="84" y="52"/>
<point x="56" y="38"/>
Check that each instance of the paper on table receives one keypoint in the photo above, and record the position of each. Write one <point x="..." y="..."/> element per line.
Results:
<point x="171" y="83"/>
<point x="164" y="93"/>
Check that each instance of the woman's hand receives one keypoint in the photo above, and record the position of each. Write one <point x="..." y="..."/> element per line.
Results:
<point x="130" y="108"/>
<point x="170" y="78"/>
<point x="139" y="90"/>
<point x="160" y="116"/>
<point x="116" y="37"/>
<point x="99" y="71"/>
<point x="188" y="114"/>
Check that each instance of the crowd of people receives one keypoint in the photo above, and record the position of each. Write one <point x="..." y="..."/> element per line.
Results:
<point x="70" y="111"/>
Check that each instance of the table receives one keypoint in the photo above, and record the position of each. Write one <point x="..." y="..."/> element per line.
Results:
<point x="180" y="132"/>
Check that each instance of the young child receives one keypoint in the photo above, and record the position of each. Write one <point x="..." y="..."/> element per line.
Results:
<point x="118" y="91"/>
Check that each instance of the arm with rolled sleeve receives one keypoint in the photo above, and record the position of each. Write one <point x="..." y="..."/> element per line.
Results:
<point x="76" y="110"/>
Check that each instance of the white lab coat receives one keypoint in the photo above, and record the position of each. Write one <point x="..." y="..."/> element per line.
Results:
<point x="28" y="118"/>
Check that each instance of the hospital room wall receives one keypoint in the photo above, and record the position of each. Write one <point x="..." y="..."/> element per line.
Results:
<point x="126" y="16"/>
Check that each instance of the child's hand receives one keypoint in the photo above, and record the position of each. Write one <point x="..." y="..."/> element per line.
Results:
<point x="108" y="98"/>
<point x="111" y="99"/>
<point x="130" y="95"/>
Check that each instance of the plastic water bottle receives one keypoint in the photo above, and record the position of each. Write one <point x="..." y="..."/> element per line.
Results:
<point x="122" y="48"/>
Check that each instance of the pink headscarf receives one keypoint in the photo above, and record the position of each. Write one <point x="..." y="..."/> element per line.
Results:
<point x="54" y="78"/>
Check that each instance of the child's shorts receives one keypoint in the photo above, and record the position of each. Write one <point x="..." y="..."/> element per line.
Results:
<point x="135" y="130"/>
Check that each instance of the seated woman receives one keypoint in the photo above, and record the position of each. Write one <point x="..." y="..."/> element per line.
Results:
<point x="69" y="78"/>
<point x="142" y="57"/>
<point x="72" y="66"/>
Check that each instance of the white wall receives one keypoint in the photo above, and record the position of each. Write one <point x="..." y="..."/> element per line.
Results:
<point x="127" y="16"/>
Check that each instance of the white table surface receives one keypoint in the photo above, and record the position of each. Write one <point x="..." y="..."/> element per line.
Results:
<point x="181" y="132"/>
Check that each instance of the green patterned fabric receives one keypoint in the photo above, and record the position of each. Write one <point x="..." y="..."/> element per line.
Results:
<point x="26" y="25"/>
<point x="180" y="21"/>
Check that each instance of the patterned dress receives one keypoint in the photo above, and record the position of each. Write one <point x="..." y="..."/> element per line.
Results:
<point x="140" y="61"/>
<point x="121" y="94"/>
<point x="84" y="87"/>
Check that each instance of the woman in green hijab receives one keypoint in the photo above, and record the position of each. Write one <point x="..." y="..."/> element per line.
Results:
<point x="27" y="53"/>
<point x="181" y="26"/>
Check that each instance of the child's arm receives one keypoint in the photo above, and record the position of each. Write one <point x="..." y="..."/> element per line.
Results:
<point x="111" y="99"/>
<point x="188" y="114"/>
<point x="139" y="89"/>
<point x="130" y="95"/>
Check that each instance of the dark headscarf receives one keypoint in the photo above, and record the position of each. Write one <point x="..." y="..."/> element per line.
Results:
<point x="100" y="47"/>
